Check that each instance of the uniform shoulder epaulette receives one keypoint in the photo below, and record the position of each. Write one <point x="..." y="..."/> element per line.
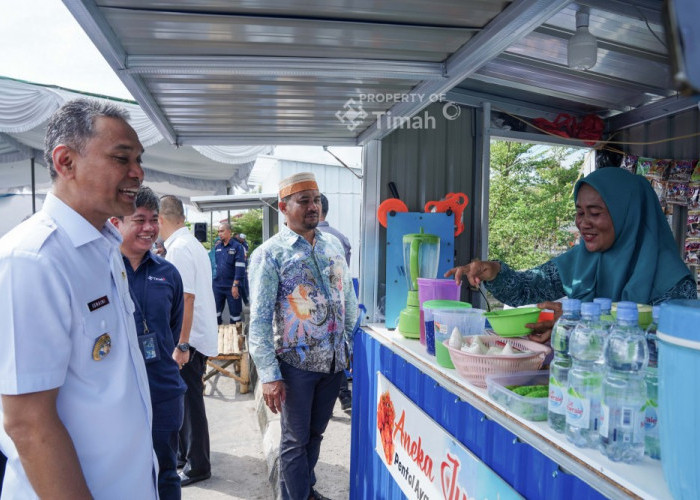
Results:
<point x="42" y="228"/>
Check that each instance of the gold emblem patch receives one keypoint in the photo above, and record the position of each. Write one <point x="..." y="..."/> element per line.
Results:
<point x="103" y="344"/>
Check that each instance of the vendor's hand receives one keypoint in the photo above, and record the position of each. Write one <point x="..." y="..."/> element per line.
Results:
<point x="542" y="330"/>
<point x="234" y="292"/>
<point x="274" y="394"/>
<point x="181" y="357"/>
<point x="475" y="272"/>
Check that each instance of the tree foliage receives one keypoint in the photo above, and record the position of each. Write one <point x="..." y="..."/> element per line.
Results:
<point x="248" y="223"/>
<point x="531" y="209"/>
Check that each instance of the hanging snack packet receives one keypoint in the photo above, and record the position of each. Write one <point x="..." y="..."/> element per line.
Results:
<point x="629" y="162"/>
<point x="692" y="228"/>
<point x="695" y="176"/>
<point x="680" y="170"/>
<point x="643" y="165"/>
<point x="691" y="253"/>
<point x="659" y="169"/>
<point x="677" y="192"/>
<point x="659" y="188"/>
<point x="694" y="196"/>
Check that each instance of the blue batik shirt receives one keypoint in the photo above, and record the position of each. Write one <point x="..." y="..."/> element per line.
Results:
<point x="302" y="304"/>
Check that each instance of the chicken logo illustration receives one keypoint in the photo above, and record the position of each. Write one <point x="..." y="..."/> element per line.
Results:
<point x="385" y="424"/>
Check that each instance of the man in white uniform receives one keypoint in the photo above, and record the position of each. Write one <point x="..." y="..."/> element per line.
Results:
<point x="198" y="337"/>
<point x="75" y="400"/>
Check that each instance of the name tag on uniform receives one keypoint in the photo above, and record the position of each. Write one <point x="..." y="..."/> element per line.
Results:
<point x="149" y="347"/>
<point x="232" y="252"/>
<point x="94" y="305"/>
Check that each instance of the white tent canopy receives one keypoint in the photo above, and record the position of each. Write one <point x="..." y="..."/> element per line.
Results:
<point x="184" y="171"/>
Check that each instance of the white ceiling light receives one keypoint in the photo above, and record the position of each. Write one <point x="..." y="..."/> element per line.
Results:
<point x="583" y="47"/>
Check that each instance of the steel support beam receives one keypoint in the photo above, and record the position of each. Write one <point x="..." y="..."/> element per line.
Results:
<point x="98" y="29"/>
<point x="659" y="109"/>
<point x="519" y="19"/>
<point x="284" y="66"/>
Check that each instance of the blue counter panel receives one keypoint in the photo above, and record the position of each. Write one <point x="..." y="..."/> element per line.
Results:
<point x="527" y="470"/>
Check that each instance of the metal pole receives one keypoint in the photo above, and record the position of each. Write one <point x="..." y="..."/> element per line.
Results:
<point x="33" y="187"/>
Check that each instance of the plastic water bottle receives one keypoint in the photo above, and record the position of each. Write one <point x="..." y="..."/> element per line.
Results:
<point x="559" y="368"/>
<point x="605" y="315"/>
<point x="624" y="390"/>
<point x="586" y="348"/>
<point x="652" y="447"/>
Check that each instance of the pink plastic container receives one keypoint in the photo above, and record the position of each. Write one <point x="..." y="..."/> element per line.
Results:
<point x="435" y="289"/>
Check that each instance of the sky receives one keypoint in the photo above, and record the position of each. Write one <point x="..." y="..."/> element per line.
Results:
<point x="41" y="42"/>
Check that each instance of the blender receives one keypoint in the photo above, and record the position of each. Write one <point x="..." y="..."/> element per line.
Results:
<point x="420" y="258"/>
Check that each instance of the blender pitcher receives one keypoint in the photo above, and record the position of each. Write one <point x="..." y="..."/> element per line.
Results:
<point x="420" y="259"/>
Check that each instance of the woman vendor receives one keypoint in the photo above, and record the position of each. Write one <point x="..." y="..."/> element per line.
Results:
<point x="626" y="252"/>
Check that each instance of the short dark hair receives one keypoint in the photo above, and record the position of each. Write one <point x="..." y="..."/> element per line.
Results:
<point x="324" y="205"/>
<point x="74" y="123"/>
<point x="146" y="198"/>
<point x="171" y="208"/>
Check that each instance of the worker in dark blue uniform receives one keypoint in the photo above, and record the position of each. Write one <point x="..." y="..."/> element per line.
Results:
<point x="241" y="238"/>
<point x="230" y="274"/>
<point x="157" y="293"/>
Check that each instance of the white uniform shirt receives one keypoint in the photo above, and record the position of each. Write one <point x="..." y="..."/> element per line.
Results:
<point x="192" y="262"/>
<point x="63" y="286"/>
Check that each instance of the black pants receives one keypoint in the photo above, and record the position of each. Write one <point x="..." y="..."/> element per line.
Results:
<point x="3" y="462"/>
<point x="306" y="410"/>
<point x="167" y="421"/>
<point x="345" y="396"/>
<point x="194" y="434"/>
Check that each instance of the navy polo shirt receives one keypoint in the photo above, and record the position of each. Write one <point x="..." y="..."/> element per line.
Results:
<point x="156" y="289"/>
<point x="230" y="263"/>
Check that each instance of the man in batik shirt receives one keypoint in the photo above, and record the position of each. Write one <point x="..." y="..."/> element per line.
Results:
<point x="303" y="311"/>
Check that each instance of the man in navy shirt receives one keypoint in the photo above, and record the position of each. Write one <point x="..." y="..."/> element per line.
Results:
<point x="230" y="274"/>
<point x="156" y="289"/>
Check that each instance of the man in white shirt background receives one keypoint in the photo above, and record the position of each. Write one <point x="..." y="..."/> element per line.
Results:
<point x="198" y="337"/>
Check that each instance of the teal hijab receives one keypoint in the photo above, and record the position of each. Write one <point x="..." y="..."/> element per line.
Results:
<point x="643" y="262"/>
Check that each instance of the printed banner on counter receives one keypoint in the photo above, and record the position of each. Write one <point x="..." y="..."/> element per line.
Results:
<point x="425" y="461"/>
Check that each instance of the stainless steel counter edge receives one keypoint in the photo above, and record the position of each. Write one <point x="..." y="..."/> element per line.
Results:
<point x="614" y="480"/>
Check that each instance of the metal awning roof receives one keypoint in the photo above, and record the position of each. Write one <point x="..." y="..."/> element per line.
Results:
<point x="234" y="202"/>
<point x="290" y="72"/>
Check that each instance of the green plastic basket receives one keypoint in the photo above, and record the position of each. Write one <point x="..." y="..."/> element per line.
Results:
<point x="511" y="322"/>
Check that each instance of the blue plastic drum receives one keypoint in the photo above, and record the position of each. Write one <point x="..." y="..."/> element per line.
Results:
<point x="679" y="396"/>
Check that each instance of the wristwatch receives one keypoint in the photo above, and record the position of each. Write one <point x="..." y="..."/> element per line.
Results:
<point x="183" y="346"/>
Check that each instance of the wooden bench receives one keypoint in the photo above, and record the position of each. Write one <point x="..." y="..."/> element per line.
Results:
<point x="232" y="351"/>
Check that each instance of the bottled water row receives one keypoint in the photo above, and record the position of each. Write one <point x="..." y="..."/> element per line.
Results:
<point x="603" y="379"/>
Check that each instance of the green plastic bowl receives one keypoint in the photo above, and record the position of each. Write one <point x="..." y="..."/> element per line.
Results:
<point x="644" y="314"/>
<point x="511" y="322"/>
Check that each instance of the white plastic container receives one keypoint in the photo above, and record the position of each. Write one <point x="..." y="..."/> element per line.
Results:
<point x="526" y="407"/>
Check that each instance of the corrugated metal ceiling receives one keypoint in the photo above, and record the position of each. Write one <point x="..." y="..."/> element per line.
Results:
<point x="288" y="72"/>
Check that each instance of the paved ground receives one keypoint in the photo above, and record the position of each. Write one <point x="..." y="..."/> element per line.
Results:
<point x="239" y="468"/>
